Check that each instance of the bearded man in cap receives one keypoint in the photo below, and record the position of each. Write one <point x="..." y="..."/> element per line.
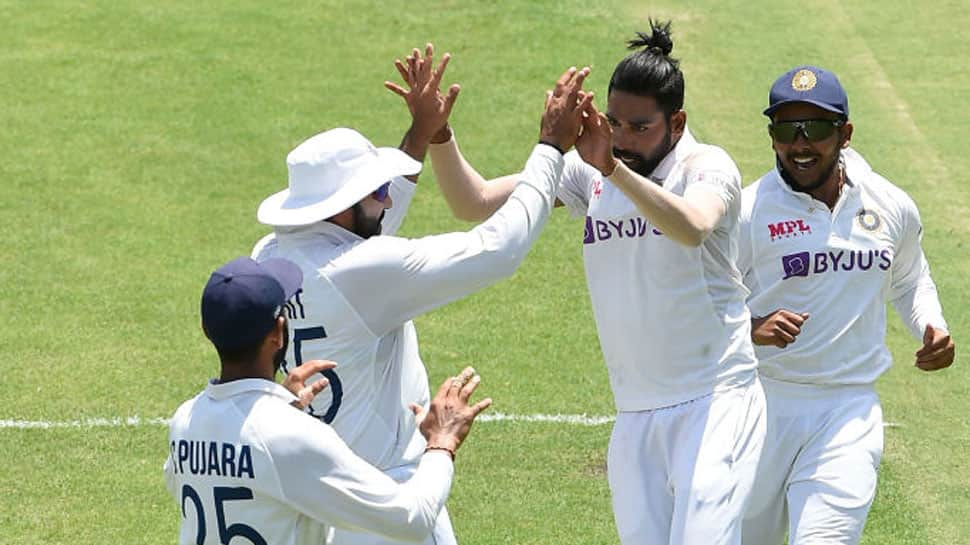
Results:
<point x="825" y="242"/>
<point x="364" y="286"/>
<point x="287" y="477"/>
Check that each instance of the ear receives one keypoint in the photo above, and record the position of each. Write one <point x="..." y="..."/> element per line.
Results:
<point x="846" y="134"/>
<point x="275" y="336"/>
<point x="678" y="121"/>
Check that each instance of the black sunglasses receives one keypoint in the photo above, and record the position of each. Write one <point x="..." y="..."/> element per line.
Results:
<point x="814" y="130"/>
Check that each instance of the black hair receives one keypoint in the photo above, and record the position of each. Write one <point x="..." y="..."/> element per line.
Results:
<point x="240" y="354"/>
<point x="651" y="71"/>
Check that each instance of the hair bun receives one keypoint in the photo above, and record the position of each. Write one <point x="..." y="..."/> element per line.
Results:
<point x="657" y="42"/>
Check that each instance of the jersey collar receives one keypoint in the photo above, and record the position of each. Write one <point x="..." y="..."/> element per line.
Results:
<point x="685" y="146"/>
<point x="326" y="229"/>
<point x="221" y="391"/>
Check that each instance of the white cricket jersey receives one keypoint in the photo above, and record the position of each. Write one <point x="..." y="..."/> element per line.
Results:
<point x="840" y="266"/>
<point x="671" y="318"/>
<point x="359" y="297"/>
<point x="244" y="464"/>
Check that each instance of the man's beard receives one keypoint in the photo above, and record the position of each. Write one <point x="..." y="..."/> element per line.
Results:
<point x="807" y="188"/>
<point x="644" y="166"/>
<point x="280" y="354"/>
<point x="364" y="226"/>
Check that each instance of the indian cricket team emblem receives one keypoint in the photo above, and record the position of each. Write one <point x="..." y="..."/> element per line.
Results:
<point x="803" y="80"/>
<point x="868" y="219"/>
<point x="597" y="188"/>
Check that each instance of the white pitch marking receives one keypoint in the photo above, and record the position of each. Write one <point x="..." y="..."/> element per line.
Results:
<point x="136" y="421"/>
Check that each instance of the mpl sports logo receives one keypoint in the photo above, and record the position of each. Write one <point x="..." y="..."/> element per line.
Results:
<point x="805" y="263"/>
<point x="600" y="230"/>
<point x="788" y="229"/>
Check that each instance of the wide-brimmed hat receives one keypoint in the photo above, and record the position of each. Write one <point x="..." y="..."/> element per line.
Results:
<point x="329" y="173"/>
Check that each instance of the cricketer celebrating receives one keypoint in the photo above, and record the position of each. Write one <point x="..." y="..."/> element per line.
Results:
<point x="245" y="464"/>
<point x="825" y="242"/>
<point x="661" y="214"/>
<point x="364" y="285"/>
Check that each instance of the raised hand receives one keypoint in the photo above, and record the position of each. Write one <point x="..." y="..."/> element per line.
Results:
<point x="778" y="328"/>
<point x="938" y="350"/>
<point x="595" y="144"/>
<point x="562" y="118"/>
<point x="428" y="106"/>
<point x="295" y="381"/>
<point x="449" y="418"/>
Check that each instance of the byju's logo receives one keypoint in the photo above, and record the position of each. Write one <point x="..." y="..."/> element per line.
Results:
<point x="795" y="264"/>
<point x="805" y="263"/>
<point x="600" y="230"/>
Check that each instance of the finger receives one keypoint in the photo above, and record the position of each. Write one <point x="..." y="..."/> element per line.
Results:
<point x="451" y="98"/>
<point x="416" y="409"/>
<point x="548" y="98"/>
<point x="436" y="77"/>
<point x="788" y="327"/>
<point x="585" y="100"/>
<point x="941" y="362"/>
<point x="563" y="81"/>
<point x="443" y="390"/>
<point x="401" y="69"/>
<point x="792" y="317"/>
<point x="783" y="335"/>
<point x="469" y="388"/>
<point x="945" y="351"/>
<point x="934" y="345"/>
<point x="576" y="83"/>
<point x="397" y="89"/>
<point x="928" y="334"/>
<point x="481" y="406"/>
<point x="310" y="368"/>
<point x="780" y="343"/>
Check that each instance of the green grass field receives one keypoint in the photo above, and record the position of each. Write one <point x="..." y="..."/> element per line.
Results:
<point x="138" y="139"/>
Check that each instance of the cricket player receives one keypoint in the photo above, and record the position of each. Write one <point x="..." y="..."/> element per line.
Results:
<point x="825" y="242"/>
<point x="245" y="466"/>
<point x="661" y="212"/>
<point x="364" y="286"/>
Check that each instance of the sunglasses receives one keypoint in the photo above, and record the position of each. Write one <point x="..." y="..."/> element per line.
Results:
<point x="814" y="130"/>
<point x="380" y="194"/>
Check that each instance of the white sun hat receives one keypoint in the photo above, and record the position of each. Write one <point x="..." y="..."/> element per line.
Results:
<point x="329" y="173"/>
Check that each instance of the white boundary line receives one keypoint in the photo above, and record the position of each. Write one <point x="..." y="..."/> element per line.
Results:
<point x="136" y="421"/>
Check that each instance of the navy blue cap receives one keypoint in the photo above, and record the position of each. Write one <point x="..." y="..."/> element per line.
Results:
<point x="809" y="84"/>
<point x="243" y="298"/>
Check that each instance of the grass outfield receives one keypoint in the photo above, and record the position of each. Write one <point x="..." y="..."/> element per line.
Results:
<point x="138" y="140"/>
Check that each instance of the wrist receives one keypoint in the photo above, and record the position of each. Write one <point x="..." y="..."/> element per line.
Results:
<point x="609" y="168"/>
<point x="442" y="448"/>
<point x="443" y="135"/>
<point x="552" y="144"/>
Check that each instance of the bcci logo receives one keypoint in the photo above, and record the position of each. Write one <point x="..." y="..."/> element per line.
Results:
<point x="803" y="80"/>
<point x="796" y="264"/>
<point x="868" y="219"/>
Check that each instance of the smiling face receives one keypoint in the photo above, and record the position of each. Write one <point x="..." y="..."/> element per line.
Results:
<point x="807" y="165"/>
<point x="642" y="134"/>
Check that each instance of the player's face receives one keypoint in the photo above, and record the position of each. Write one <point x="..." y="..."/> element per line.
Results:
<point x="368" y="214"/>
<point x="806" y="164"/>
<point x="642" y="134"/>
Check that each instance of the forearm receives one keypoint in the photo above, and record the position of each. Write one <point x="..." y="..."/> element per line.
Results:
<point x="416" y="145"/>
<point x="920" y="306"/>
<point x="469" y="195"/>
<point x="678" y="218"/>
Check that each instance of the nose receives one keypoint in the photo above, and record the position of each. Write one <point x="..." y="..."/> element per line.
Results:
<point x="621" y="139"/>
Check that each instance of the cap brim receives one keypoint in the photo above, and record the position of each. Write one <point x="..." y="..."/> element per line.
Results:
<point x="827" y="107"/>
<point x="287" y="273"/>
<point x="281" y="210"/>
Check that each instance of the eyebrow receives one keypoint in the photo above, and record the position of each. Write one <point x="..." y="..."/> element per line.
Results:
<point x="639" y="121"/>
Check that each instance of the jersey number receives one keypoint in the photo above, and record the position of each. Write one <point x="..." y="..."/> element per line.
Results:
<point x="336" y="388"/>
<point x="222" y="494"/>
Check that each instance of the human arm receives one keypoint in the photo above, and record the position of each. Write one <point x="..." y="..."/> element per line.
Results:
<point x="686" y="219"/>
<point x="421" y="274"/>
<point x="914" y="296"/>
<point x="354" y="495"/>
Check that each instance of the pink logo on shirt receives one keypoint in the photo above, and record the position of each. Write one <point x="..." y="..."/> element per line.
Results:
<point x="597" y="188"/>
<point x="788" y="229"/>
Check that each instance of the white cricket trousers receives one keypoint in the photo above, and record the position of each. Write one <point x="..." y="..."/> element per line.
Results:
<point x="442" y="534"/>
<point x="681" y="475"/>
<point x="817" y="476"/>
